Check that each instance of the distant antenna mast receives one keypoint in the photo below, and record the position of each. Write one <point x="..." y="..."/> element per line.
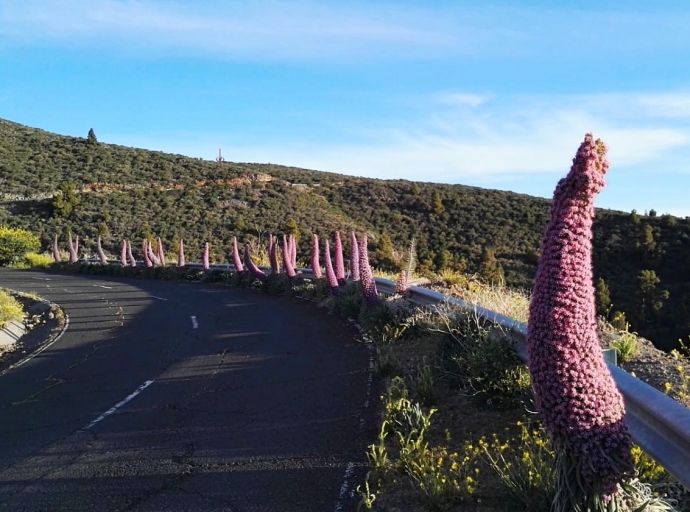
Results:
<point x="220" y="157"/>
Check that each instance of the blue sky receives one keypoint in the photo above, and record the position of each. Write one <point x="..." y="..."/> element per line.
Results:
<point x="493" y="94"/>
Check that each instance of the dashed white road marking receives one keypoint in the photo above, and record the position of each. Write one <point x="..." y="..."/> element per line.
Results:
<point x="119" y="404"/>
<point x="42" y="278"/>
<point x="349" y="471"/>
<point x="159" y="298"/>
<point x="195" y="324"/>
<point x="102" y="286"/>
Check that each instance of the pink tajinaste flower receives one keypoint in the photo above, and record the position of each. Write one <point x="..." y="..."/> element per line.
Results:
<point x="73" y="248"/>
<point x="180" y="255"/>
<point x="159" y="252"/>
<point x="354" y="257"/>
<point x="371" y="294"/>
<point x="152" y="256"/>
<point x="101" y="254"/>
<point x="273" y="254"/>
<point x="287" y="258"/>
<point x="339" y="263"/>
<point x="293" y="251"/>
<point x="330" y="274"/>
<point x="575" y="394"/>
<point x="56" y="250"/>
<point x="401" y="283"/>
<point x="145" y="253"/>
<point x="123" y="253"/>
<point x="255" y="271"/>
<point x="132" y="261"/>
<point x="205" y="260"/>
<point x="315" y="264"/>
<point x="236" y="256"/>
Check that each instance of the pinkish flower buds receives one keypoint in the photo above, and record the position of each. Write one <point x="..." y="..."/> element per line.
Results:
<point x="255" y="271"/>
<point x="123" y="253"/>
<point x="315" y="265"/>
<point x="159" y="252"/>
<point x="273" y="254"/>
<point x="205" y="261"/>
<point x="145" y="253"/>
<point x="339" y="264"/>
<point x="574" y="392"/>
<point x="401" y="283"/>
<point x="101" y="254"/>
<point x="236" y="256"/>
<point x="73" y="249"/>
<point x="354" y="257"/>
<point x="56" y="250"/>
<point x="371" y="295"/>
<point x="180" y="255"/>
<point x="330" y="274"/>
<point x="287" y="258"/>
<point x="132" y="261"/>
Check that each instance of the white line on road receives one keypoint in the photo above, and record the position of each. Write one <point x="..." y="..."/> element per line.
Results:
<point x="118" y="405"/>
<point x="195" y="324"/>
<point x="102" y="286"/>
<point x="159" y="298"/>
<point x="349" y="471"/>
<point x="42" y="278"/>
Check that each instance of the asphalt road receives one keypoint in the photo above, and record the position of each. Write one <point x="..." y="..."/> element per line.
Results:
<point x="168" y="396"/>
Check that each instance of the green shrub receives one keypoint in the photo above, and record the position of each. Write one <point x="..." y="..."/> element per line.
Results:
<point x="10" y="308"/>
<point x="15" y="243"/>
<point x="34" y="260"/>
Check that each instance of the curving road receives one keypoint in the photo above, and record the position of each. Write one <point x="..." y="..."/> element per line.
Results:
<point x="168" y="396"/>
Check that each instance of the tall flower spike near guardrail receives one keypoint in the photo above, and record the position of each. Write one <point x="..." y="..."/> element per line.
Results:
<point x="56" y="250"/>
<point x="315" y="263"/>
<point x="101" y="254"/>
<point x="205" y="260"/>
<point x="330" y="273"/>
<point x="574" y="391"/>
<point x="145" y="253"/>
<point x="159" y="252"/>
<point x="132" y="261"/>
<point x="152" y="256"/>
<point x="293" y="251"/>
<point x="251" y="266"/>
<point x="180" y="255"/>
<point x="371" y="294"/>
<point x="73" y="248"/>
<point x="354" y="257"/>
<point x="236" y="256"/>
<point x="401" y="283"/>
<point x="287" y="258"/>
<point x="123" y="253"/>
<point x="339" y="263"/>
<point x="273" y="254"/>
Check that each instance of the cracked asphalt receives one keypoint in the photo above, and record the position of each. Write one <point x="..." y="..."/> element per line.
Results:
<point x="256" y="404"/>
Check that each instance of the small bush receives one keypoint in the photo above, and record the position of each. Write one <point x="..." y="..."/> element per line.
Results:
<point x="626" y="345"/>
<point x="10" y="308"/>
<point x="387" y="363"/>
<point x="15" y="243"/>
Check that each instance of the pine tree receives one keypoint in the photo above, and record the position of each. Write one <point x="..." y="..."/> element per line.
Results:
<point x="490" y="268"/>
<point x="602" y="295"/>
<point x="92" y="140"/>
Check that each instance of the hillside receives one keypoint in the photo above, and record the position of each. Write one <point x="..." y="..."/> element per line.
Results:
<point x="54" y="184"/>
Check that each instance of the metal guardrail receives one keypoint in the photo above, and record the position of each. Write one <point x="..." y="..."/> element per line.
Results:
<point x="657" y="423"/>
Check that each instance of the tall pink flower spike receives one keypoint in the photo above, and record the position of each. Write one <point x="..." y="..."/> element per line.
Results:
<point x="287" y="258"/>
<point x="371" y="294"/>
<point x="330" y="274"/>
<point x="315" y="264"/>
<point x="255" y="271"/>
<point x="354" y="257"/>
<point x="56" y="250"/>
<point x="101" y="254"/>
<point x="123" y="253"/>
<point x="273" y="254"/>
<point x="180" y="255"/>
<point x="159" y="252"/>
<point x="205" y="262"/>
<point x="236" y="256"/>
<point x="73" y="248"/>
<point x="339" y="263"/>
<point x="574" y="391"/>
<point x="132" y="261"/>
<point x="145" y="253"/>
<point x="293" y="251"/>
<point x="152" y="256"/>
